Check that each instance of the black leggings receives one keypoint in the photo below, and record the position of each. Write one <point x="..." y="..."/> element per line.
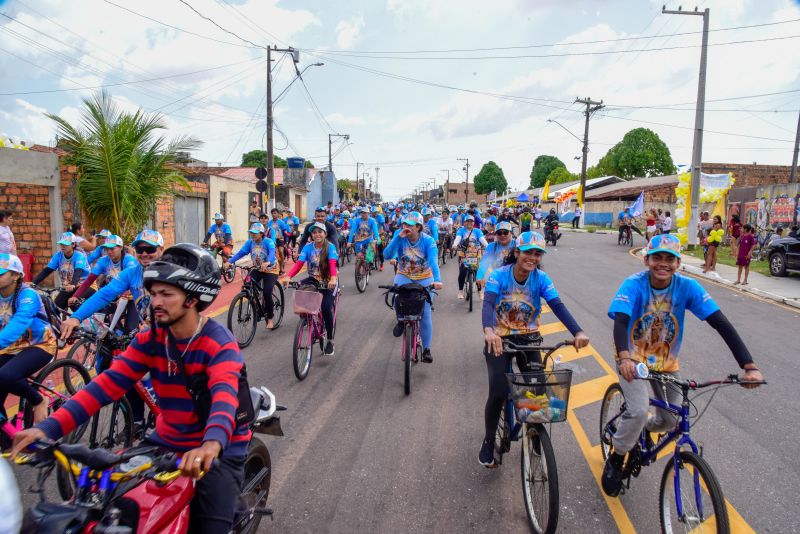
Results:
<point x="326" y="307"/>
<point x="15" y="370"/>
<point x="497" y="367"/>
<point x="380" y="251"/>
<point x="462" y="275"/>
<point x="268" y="281"/>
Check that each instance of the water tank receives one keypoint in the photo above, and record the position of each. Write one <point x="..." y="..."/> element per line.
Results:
<point x="295" y="163"/>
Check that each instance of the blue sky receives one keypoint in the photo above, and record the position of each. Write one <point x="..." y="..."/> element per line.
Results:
<point x="413" y="131"/>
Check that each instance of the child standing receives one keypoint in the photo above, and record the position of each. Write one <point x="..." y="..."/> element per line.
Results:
<point x="746" y="244"/>
<point x="714" y="241"/>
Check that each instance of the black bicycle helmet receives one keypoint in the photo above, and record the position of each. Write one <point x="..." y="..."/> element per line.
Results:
<point x="190" y="268"/>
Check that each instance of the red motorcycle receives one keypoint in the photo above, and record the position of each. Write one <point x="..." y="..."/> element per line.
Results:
<point x="551" y="233"/>
<point x="140" y="490"/>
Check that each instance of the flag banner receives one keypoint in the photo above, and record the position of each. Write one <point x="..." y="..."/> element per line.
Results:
<point x="637" y="208"/>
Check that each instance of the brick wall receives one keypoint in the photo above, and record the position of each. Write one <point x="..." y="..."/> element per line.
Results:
<point x="458" y="196"/>
<point x="663" y="195"/>
<point x="751" y="175"/>
<point x="31" y="224"/>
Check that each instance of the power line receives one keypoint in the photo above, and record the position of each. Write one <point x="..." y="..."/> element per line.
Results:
<point x="546" y="45"/>
<point x="668" y="106"/>
<point x="212" y="21"/>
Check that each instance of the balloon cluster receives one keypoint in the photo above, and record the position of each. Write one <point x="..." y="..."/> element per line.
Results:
<point x="14" y="142"/>
<point x="682" y="210"/>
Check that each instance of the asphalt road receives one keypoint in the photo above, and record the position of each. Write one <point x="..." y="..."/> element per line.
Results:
<point x="360" y="456"/>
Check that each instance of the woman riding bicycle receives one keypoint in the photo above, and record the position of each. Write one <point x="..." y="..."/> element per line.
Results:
<point x="261" y="250"/>
<point x="111" y="263"/>
<point x="71" y="266"/>
<point x="364" y="232"/>
<point x="472" y="242"/>
<point x="321" y="256"/>
<point x="496" y="253"/>
<point x="417" y="262"/>
<point x="511" y="307"/>
<point x="648" y="312"/>
<point x="27" y="341"/>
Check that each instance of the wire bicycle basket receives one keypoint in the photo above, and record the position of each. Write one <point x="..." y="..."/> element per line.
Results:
<point x="541" y="396"/>
<point x="307" y="301"/>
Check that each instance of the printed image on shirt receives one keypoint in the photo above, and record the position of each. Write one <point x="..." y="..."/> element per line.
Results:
<point x="515" y="313"/>
<point x="413" y="264"/>
<point x="38" y="334"/>
<point x="653" y="335"/>
<point x="363" y="232"/>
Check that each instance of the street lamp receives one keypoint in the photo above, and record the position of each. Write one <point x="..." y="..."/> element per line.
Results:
<point x="566" y="130"/>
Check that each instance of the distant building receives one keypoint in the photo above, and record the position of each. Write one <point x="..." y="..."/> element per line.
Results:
<point x="460" y="193"/>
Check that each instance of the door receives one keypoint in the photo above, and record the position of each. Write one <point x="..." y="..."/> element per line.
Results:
<point x="793" y="256"/>
<point x="190" y="219"/>
<point x="298" y="207"/>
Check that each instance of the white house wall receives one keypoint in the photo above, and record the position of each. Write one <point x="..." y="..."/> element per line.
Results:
<point x="237" y="214"/>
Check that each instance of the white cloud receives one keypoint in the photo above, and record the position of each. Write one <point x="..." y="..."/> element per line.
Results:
<point x="349" y="31"/>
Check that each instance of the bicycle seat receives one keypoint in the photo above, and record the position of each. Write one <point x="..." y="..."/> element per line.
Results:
<point x="98" y="459"/>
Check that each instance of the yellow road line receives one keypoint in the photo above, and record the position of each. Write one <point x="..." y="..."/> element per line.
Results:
<point x="590" y="391"/>
<point x="551" y="328"/>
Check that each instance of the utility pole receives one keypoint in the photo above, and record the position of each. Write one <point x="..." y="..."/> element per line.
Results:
<point x="447" y="187"/>
<point x="376" y="178"/>
<point x="699" y="117"/>
<point x="357" y="187"/>
<point x="330" y="142"/>
<point x="270" y="151"/>
<point x="793" y="177"/>
<point x="591" y="107"/>
<point x="466" y="187"/>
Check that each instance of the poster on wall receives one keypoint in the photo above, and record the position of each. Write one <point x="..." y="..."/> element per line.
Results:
<point x="762" y="218"/>
<point x="781" y="211"/>
<point x="750" y="213"/>
<point x="734" y="208"/>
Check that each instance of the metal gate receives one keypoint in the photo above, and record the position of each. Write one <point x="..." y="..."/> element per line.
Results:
<point x="190" y="219"/>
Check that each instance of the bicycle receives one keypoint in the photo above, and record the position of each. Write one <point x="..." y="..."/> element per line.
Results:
<point x="626" y="237"/>
<point x="344" y="252"/>
<point x="311" y="327"/>
<point x="57" y="382"/>
<point x="141" y="489"/>
<point x="690" y="512"/>
<point x="471" y="264"/>
<point x="536" y="398"/>
<point x="365" y="264"/>
<point x="229" y="275"/>
<point x="247" y="308"/>
<point x="763" y="238"/>
<point x="408" y="301"/>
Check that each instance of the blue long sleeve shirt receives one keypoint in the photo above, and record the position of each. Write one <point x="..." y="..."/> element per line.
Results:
<point x="431" y="228"/>
<point x="221" y="233"/>
<point x="362" y="230"/>
<point x="493" y="258"/>
<point x="129" y="279"/>
<point x="27" y="326"/>
<point x="260" y="253"/>
<point x="417" y="261"/>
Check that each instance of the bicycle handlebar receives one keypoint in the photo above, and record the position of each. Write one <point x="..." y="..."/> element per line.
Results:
<point x="688" y="384"/>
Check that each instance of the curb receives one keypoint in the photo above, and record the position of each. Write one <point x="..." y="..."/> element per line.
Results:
<point x="582" y="231"/>
<point x="697" y="271"/>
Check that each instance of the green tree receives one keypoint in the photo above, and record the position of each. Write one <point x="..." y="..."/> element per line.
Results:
<point x="258" y="158"/>
<point x="641" y="153"/>
<point x="344" y="184"/>
<point x="593" y="172"/>
<point x="542" y="167"/>
<point x="561" y="175"/>
<point x="490" y="178"/>
<point x="124" y="168"/>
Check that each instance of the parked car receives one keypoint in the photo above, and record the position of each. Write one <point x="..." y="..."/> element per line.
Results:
<point x="784" y="256"/>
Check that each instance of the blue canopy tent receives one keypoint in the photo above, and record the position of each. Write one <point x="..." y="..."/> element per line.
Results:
<point x="523" y="198"/>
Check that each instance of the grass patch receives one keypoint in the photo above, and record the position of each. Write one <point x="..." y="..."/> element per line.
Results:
<point x="724" y="257"/>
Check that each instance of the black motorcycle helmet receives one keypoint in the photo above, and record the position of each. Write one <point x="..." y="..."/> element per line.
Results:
<point x="189" y="268"/>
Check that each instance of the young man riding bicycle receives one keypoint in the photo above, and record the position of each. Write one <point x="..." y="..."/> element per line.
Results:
<point x="223" y="236"/>
<point x="648" y="312"/>
<point x="182" y="283"/>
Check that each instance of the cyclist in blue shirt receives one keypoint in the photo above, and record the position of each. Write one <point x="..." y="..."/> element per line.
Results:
<point x="27" y="341"/>
<point x="472" y="242"/>
<point x="70" y="265"/>
<point x="278" y="231"/>
<point x="648" y="312"/>
<point x="99" y="251"/>
<point x="458" y="216"/>
<point x="511" y="307"/>
<point x="430" y="226"/>
<point x="378" y="216"/>
<point x="261" y="250"/>
<point x="223" y="236"/>
<point x="496" y="253"/>
<point x="417" y="262"/>
<point x="108" y="267"/>
<point x="364" y="232"/>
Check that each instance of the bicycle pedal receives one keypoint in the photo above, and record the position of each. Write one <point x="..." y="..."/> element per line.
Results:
<point x="263" y="511"/>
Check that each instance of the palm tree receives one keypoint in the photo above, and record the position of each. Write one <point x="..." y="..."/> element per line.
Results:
<point x="124" y="168"/>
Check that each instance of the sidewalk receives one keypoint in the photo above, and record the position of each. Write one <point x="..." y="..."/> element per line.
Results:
<point x="785" y="290"/>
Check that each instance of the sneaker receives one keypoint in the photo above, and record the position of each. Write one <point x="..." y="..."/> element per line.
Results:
<point x="460" y="294"/>
<point x="486" y="456"/>
<point x="381" y="268"/>
<point x="397" y="331"/>
<point x="426" y="356"/>
<point x="329" y="348"/>
<point x="613" y="475"/>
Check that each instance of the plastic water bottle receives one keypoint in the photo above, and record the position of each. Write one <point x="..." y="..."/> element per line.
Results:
<point x="49" y="385"/>
<point x="641" y="370"/>
<point x="137" y="461"/>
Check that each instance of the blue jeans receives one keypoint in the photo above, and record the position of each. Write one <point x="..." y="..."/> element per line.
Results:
<point x="426" y="325"/>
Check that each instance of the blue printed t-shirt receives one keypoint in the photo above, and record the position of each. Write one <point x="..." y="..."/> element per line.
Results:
<point x="129" y="279"/>
<point x="219" y="232"/>
<point x="655" y="330"/>
<point x="310" y="256"/>
<point x="517" y="306"/>
<point x="261" y="254"/>
<point x="66" y="266"/>
<point x="278" y="228"/>
<point x="95" y="255"/>
<point x="105" y="266"/>
<point x="416" y="261"/>
<point x="28" y="327"/>
<point x="364" y="230"/>
<point x="471" y="240"/>
<point x="494" y="258"/>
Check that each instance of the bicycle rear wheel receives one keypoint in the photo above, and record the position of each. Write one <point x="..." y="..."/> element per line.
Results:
<point x="612" y="406"/>
<point x="278" y="300"/>
<point x="408" y="353"/>
<point x="85" y="353"/>
<point x="57" y="382"/>
<point x="361" y="275"/>
<point x="502" y="437"/>
<point x="700" y="495"/>
<point x="539" y="479"/>
<point x="257" y="477"/>
<point x="303" y="348"/>
<point x="242" y="320"/>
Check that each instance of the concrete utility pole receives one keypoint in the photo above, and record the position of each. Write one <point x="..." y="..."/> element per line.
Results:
<point x="591" y="107"/>
<point x="357" y="186"/>
<point x="270" y="151"/>
<point x="697" y="147"/>
<point x="330" y="142"/>
<point x="376" y="180"/>
<point x="793" y="177"/>
<point x="447" y="187"/>
<point x="466" y="172"/>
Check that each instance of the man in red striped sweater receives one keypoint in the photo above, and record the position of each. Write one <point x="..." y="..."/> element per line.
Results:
<point x="182" y="283"/>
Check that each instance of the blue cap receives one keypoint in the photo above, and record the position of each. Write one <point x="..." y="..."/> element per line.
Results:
<point x="67" y="238"/>
<point x="319" y="226"/>
<point x="9" y="262"/>
<point x="103" y="233"/>
<point x="113" y="241"/>
<point x="413" y="218"/>
<point x="664" y="243"/>
<point x="151" y="237"/>
<point x="257" y="228"/>
<point x="218" y="217"/>
<point x="531" y="240"/>
<point x="469" y="218"/>
<point x="503" y="226"/>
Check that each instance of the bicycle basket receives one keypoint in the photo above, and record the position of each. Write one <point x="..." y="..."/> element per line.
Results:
<point x="307" y="301"/>
<point x="541" y="396"/>
<point x="410" y="300"/>
<point x="471" y="261"/>
<point x="370" y="255"/>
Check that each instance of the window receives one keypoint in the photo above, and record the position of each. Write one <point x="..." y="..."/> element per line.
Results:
<point x="223" y="202"/>
<point x="453" y="190"/>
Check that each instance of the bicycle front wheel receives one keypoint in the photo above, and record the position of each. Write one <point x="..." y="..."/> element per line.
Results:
<point x="699" y="494"/>
<point x="85" y="353"/>
<point x="469" y="290"/>
<point x="539" y="479"/>
<point x="303" y="348"/>
<point x="361" y="276"/>
<point x="408" y="353"/>
<point x="278" y="301"/>
<point x="612" y="406"/>
<point x="242" y="320"/>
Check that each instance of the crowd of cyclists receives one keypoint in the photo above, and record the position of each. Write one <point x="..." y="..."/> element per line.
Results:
<point x="167" y="289"/>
